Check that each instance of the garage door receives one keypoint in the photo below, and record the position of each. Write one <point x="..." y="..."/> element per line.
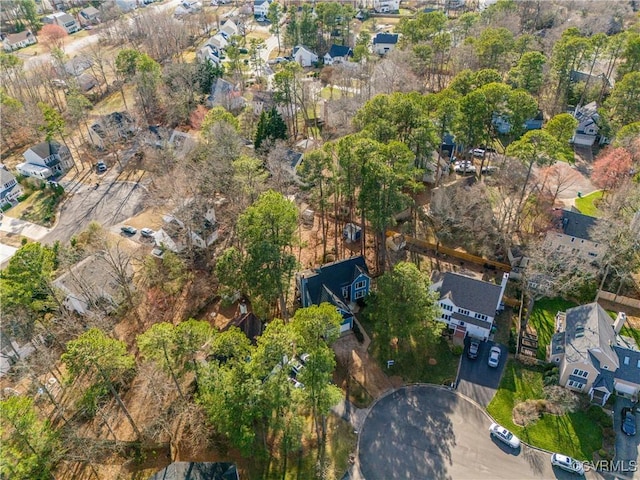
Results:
<point x="624" y="389"/>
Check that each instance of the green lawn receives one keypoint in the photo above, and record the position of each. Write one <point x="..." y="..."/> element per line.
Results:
<point x="574" y="434"/>
<point x="587" y="203"/>
<point x="543" y="320"/>
<point x="327" y="94"/>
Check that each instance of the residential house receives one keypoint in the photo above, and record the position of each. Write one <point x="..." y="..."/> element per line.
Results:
<point x="587" y="130"/>
<point x="111" y="128"/>
<point x="286" y="166"/>
<point x="468" y="305"/>
<point x="10" y="189"/>
<point x="127" y="5"/>
<point x="197" y="471"/>
<point x="383" y="6"/>
<point x="250" y="325"/>
<point x="383" y="43"/>
<point x="218" y="41"/>
<point x="89" y="16"/>
<point x="188" y="227"/>
<point x="592" y="356"/>
<point x="261" y="8"/>
<point x="601" y="80"/>
<point x="16" y="41"/>
<point x="263" y="101"/>
<point x="573" y="235"/>
<point x="181" y="142"/>
<point x="187" y="7"/>
<point x="337" y="54"/>
<point x="304" y="57"/>
<point x="340" y="283"/>
<point x="46" y="159"/>
<point x="229" y="29"/>
<point x="503" y="125"/>
<point x="225" y="94"/>
<point x="64" y="20"/>
<point x="208" y="53"/>
<point x="90" y="287"/>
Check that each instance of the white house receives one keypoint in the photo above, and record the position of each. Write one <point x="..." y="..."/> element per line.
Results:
<point x="468" y="305"/>
<point x="587" y="130"/>
<point x="229" y="29"/>
<point x="383" y="43"/>
<point x="187" y="7"/>
<point x="261" y="8"/>
<point x="337" y="54"/>
<point x="16" y="41"/>
<point x="304" y="57"/>
<point x="176" y="234"/>
<point x="45" y="159"/>
<point x="10" y="189"/>
<point x="574" y="236"/>
<point x="64" y="20"/>
<point x="383" y="6"/>
<point x="208" y="53"/>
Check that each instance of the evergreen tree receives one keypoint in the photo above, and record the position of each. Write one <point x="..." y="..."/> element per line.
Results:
<point x="271" y="127"/>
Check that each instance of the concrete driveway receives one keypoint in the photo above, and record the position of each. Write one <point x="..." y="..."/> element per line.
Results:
<point x="626" y="447"/>
<point x="476" y="379"/>
<point x="426" y="432"/>
<point x="112" y="202"/>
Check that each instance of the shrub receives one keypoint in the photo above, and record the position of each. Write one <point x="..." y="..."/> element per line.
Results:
<point x="551" y="380"/>
<point x="457" y="349"/>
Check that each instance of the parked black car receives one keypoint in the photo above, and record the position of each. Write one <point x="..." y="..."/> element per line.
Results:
<point x="628" y="421"/>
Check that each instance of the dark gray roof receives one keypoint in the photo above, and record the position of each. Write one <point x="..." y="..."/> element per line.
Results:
<point x="577" y="224"/>
<point x="327" y="281"/>
<point x="340" y="51"/>
<point x="471" y="294"/>
<point x="630" y="372"/>
<point x="604" y="381"/>
<point x="386" y="38"/>
<point x="197" y="471"/>
<point x="588" y="327"/>
<point x="557" y="343"/>
<point x="471" y="320"/>
<point x="251" y="325"/>
<point x="45" y="149"/>
<point x="293" y="159"/>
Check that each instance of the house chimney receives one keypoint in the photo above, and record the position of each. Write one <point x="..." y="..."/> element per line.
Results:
<point x="619" y="322"/>
<point x="503" y="287"/>
<point x="243" y="307"/>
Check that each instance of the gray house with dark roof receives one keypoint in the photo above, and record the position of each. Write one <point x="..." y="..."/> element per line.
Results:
<point x="46" y="159"/>
<point x="592" y="356"/>
<point x="468" y="305"/>
<point x="573" y="235"/>
<point x="383" y="43"/>
<point x="340" y="283"/>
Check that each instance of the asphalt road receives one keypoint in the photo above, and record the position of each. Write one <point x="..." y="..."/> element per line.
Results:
<point x="476" y="379"/>
<point x="626" y="447"/>
<point x="109" y="204"/>
<point x="428" y="432"/>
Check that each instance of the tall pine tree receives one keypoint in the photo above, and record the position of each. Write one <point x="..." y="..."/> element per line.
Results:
<point x="270" y="127"/>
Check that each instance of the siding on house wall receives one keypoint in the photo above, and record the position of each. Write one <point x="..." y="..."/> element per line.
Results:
<point x="584" y="248"/>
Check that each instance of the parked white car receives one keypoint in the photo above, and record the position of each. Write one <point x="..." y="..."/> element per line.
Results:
<point x="494" y="356"/>
<point x="464" y="166"/>
<point x="567" y="463"/>
<point x="504" y="435"/>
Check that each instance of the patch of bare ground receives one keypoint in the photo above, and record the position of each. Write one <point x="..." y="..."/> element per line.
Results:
<point x="362" y="367"/>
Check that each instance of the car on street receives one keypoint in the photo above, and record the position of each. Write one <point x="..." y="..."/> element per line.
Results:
<point x="474" y="346"/>
<point x="147" y="232"/>
<point x="504" y="435"/>
<point x="494" y="356"/>
<point x="129" y="230"/>
<point x="101" y="167"/>
<point x="628" y="421"/>
<point x="567" y="463"/>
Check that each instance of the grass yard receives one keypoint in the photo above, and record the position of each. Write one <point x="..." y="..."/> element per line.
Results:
<point x="575" y="434"/>
<point x="328" y="93"/>
<point x="587" y="204"/>
<point x="543" y="320"/>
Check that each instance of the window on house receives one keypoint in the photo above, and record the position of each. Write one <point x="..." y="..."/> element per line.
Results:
<point x="345" y="292"/>
<point x="461" y="323"/>
<point x="638" y="364"/>
<point x="446" y="307"/>
<point x="361" y="284"/>
<point x="480" y="316"/>
<point x="463" y="311"/>
<point x="580" y="373"/>
<point x="446" y="317"/>
<point x="626" y="360"/>
<point x="360" y="294"/>
<point x="573" y="384"/>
